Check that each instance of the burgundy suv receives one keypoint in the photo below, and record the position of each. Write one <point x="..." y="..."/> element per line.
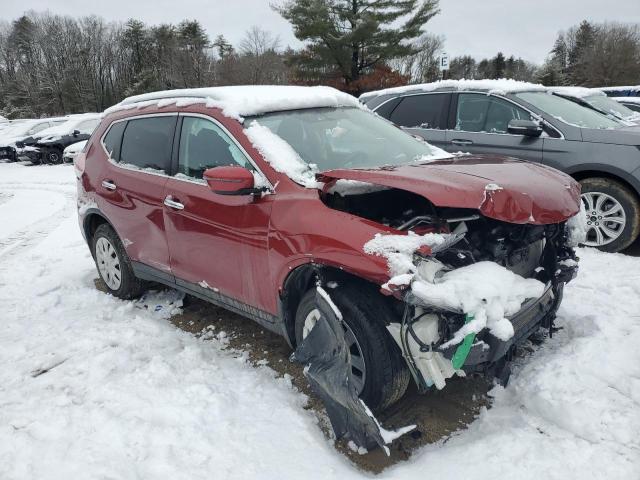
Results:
<point x="251" y="197"/>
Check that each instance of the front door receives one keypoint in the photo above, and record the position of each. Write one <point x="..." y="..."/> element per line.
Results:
<point x="216" y="242"/>
<point x="480" y="126"/>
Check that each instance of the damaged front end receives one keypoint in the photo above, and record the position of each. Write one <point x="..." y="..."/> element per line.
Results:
<point x="540" y="252"/>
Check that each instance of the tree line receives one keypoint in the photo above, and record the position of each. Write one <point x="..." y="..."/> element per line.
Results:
<point x="53" y="64"/>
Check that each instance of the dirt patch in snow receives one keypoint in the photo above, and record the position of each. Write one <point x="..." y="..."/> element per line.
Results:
<point x="437" y="414"/>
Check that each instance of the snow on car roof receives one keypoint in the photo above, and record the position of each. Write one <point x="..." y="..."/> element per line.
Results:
<point x="241" y="101"/>
<point x="69" y="124"/>
<point x="630" y="88"/>
<point x="577" y="92"/>
<point x="502" y="85"/>
<point x="627" y="99"/>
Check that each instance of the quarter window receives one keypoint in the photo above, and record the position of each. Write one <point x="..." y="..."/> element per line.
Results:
<point x="486" y="113"/>
<point x="147" y="142"/>
<point x="204" y="145"/>
<point x="420" y="111"/>
<point x="113" y="140"/>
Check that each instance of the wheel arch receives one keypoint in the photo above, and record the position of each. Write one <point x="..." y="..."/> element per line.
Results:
<point x="93" y="218"/>
<point x="300" y="280"/>
<point x="619" y="176"/>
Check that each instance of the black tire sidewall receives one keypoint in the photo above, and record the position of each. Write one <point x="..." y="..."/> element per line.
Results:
<point x="381" y="355"/>
<point x="629" y="203"/>
<point x="130" y="285"/>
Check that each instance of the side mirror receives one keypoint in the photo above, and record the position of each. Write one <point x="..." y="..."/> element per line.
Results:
<point x="528" y="128"/>
<point x="76" y="133"/>
<point x="231" y="180"/>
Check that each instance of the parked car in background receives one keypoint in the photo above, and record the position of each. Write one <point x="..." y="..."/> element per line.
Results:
<point x="22" y="131"/>
<point x="49" y="144"/>
<point x="629" y="91"/>
<point x="632" y="103"/>
<point x="598" y="100"/>
<point x="72" y="151"/>
<point x="254" y="197"/>
<point x="527" y="121"/>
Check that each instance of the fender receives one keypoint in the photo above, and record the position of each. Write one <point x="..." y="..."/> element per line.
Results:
<point x="606" y="170"/>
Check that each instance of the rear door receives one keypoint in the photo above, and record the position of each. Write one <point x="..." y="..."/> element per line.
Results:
<point x="478" y="124"/>
<point x="424" y="115"/>
<point x="218" y="243"/>
<point x="131" y="185"/>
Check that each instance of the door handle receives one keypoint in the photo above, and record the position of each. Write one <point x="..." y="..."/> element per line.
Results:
<point x="171" y="203"/>
<point x="461" y="142"/>
<point x="109" y="185"/>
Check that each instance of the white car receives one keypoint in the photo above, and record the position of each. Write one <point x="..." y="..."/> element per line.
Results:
<point x="72" y="151"/>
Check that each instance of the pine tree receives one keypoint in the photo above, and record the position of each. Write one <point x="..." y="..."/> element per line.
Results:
<point x="351" y="37"/>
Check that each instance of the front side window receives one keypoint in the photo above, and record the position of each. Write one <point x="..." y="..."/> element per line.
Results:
<point x="147" y="142"/>
<point x="38" y="128"/>
<point x="420" y="111"/>
<point x="486" y="113"/>
<point x="568" y="112"/>
<point x="204" y="145"/>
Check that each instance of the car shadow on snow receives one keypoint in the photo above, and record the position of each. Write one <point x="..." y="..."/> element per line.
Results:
<point x="437" y="414"/>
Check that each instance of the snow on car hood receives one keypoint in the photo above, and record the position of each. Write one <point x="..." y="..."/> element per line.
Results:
<point x="501" y="188"/>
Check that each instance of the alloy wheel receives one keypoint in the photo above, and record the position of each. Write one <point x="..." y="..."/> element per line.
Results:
<point x="606" y="218"/>
<point x="108" y="263"/>
<point x="358" y="367"/>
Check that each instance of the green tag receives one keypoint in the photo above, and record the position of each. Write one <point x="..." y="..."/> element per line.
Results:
<point x="464" y="348"/>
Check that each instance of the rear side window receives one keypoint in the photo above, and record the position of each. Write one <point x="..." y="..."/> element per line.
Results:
<point x="147" y="142"/>
<point x="113" y="140"/>
<point x="420" y="111"/>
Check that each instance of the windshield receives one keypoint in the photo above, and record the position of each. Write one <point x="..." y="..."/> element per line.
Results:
<point x="568" y="111"/>
<point x="347" y="138"/>
<point x="606" y="105"/>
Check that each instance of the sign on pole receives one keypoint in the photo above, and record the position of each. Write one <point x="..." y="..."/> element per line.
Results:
<point x="444" y="61"/>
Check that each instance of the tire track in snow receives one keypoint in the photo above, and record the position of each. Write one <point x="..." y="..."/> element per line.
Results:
<point x="24" y="239"/>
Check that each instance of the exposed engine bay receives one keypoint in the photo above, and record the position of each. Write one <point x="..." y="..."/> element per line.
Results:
<point x="541" y="252"/>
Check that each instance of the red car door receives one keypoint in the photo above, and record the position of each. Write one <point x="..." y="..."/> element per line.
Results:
<point x="216" y="242"/>
<point x="130" y="187"/>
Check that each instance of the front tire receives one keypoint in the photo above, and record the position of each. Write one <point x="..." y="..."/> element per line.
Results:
<point x="379" y="371"/>
<point x="114" y="265"/>
<point x="613" y="214"/>
<point x="53" y="156"/>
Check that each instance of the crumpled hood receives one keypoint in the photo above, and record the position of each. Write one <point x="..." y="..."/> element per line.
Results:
<point x="502" y="188"/>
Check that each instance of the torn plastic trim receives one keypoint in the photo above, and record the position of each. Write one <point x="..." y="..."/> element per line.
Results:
<point x="326" y="357"/>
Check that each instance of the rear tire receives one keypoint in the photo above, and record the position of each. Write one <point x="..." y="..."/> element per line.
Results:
<point x="53" y="156"/>
<point x="600" y="194"/>
<point x="364" y="312"/>
<point x="114" y="265"/>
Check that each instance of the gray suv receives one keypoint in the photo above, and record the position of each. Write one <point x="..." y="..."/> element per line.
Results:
<point x="528" y="122"/>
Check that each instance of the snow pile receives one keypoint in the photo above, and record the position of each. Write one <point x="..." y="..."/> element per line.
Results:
<point x="399" y="249"/>
<point x="485" y="290"/>
<point x="354" y="187"/>
<point x="281" y="156"/>
<point x="500" y="86"/>
<point x="577" y="226"/>
<point x="241" y="101"/>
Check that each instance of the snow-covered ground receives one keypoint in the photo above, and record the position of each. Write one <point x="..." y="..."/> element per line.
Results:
<point x="96" y="388"/>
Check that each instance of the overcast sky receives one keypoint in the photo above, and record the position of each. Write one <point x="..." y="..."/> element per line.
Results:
<point x="475" y="27"/>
